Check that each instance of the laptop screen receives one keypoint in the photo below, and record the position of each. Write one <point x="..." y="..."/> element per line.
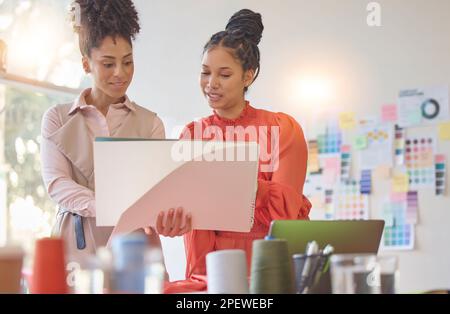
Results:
<point x="346" y="236"/>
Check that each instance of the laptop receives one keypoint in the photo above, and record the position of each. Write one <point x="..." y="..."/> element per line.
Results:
<point x="346" y="236"/>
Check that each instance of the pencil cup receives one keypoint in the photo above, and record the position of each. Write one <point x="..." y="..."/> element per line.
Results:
<point x="306" y="269"/>
<point x="355" y="274"/>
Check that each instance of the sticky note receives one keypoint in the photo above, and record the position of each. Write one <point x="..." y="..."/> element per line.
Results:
<point x="347" y="120"/>
<point x="444" y="131"/>
<point x="382" y="172"/>
<point x="400" y="182"/>
<point x="389" y="113"/>
<point x="360" y="142"/>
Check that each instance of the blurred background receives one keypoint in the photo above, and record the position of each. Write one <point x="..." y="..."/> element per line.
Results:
<point x="319" y="59"/>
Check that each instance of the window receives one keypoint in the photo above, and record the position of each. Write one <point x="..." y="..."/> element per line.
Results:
<point x="39" y="41"/>
<point x="28" y="211"/>
<point x="41" y="68"/>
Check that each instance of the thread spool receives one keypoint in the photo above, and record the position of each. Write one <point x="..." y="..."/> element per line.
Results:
<point x="227" y="272"/>
<point x="272" y="271"/>
<point x="11" y="261"/>
<point x="129" y="263"/>
<point x="49" y="269"/>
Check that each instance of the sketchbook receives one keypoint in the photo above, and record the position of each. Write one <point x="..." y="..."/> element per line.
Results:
<point x="135" y="179"/>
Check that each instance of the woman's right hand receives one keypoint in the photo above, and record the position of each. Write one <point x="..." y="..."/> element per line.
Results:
<point x="172" y="226"/>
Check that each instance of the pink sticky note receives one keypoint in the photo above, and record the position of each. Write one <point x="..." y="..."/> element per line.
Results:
<point x="389" y="113"/>
<point x="440" y="159"/>
<point x="332" y="168"/>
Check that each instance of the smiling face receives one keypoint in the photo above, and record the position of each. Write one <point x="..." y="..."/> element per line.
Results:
<point x="223" y="80"/>
<point x="111" y="66"/>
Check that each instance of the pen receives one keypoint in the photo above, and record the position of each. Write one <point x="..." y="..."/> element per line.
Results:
<point x="311" y="249"/>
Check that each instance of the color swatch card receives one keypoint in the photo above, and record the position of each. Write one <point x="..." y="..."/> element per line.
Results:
<point x="409" y="202"/>
<point x="345" y="161"/>
<point x="419" y="157"/>
<point x="313" y="157"/>
<point x="351" y="204"/>
<point x="331" y="141"/>
<point x="331" y="169"/>
<point x="441" y="174"/>
<point x="379" y="150"/>
<point x="400" y="234"/>
<point x="329" y="205"/>
<point x="313" y="190"/>
<point x="366" y="182"/>
<point x="412" y="206"/>
<point x="399" y="146"/>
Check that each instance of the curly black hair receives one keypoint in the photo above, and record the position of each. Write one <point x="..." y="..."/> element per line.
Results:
<point x="242" y="35"/>
<point x="102" y="18"/>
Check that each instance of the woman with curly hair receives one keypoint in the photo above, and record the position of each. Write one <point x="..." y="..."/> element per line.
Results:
<point x="106" y="30"/>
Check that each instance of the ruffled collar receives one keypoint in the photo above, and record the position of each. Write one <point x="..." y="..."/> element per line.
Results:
<point x="247" y="112"/>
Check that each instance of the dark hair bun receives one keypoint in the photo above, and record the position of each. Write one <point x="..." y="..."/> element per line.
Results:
<point x="247" y="23"/>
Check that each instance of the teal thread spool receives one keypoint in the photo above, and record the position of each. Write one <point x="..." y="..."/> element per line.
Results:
<point x="271" y="271"/>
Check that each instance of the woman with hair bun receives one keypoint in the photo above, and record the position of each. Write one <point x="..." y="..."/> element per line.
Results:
<point x="231" y="63"/>
<point x="106" y="30"/>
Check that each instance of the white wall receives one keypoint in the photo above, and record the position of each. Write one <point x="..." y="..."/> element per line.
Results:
<point x="366" y="66"/>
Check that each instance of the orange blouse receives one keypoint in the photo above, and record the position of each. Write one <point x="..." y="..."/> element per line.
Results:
<point x="279" y="193"/>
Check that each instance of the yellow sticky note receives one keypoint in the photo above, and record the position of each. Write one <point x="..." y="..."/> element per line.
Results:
<point x="400" y="183"/>
<point x="347" y="120"/>
<point x="444" y="131"/>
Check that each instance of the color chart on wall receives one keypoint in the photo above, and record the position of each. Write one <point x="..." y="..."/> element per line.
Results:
<point x="359" y="159"/>
<point x="351" y="204"/>
<point x="345" y="162"/>
<point x="330" y="143"/>
<point x="419" y="157"/>
<point x="379" y="150"/>
<point x="399" y="235"/>
<point x="313" y="157"/>
<point x="366" y="182"/>
<point x="440" y="174"/>
<point x="399" y="145"/>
